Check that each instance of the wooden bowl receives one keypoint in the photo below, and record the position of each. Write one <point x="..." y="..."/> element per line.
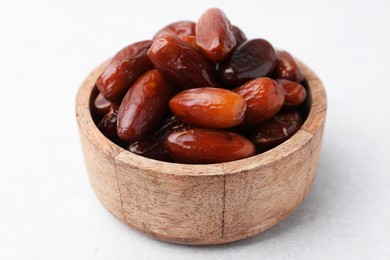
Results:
<point x="203" y="204"/>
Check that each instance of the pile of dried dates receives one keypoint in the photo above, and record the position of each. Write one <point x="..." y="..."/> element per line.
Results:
<point x="200" y="93"/>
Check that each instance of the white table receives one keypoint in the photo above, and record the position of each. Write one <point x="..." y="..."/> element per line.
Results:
<point x="47" y="207"/>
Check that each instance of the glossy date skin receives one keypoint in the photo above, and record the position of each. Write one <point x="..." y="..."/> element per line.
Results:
<point x="124" y="69"/>
<point x="287" y="68"/>
<point x="153" y="146"/>
<point x="191" y="40"/>
<point x="276" y="130"/>
<point x="101" y="106"/>
<point x="181" y="63"/>
<point x="108" y="125"/>
<point x="180" y="29"/>
<point x="294" y="93"/>
<point x="213" y="108"/>
<point x="214" y="35"/>
<point x="253" y="59"/>
<point x="200" y="93"/>
<point x="264" y="98"/>
<point x="239" y="35"/>
<point x="201" y="146"/>
<point x="145" y="104"/>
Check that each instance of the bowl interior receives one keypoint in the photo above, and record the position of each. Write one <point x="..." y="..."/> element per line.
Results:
<point x="313" y="118"/>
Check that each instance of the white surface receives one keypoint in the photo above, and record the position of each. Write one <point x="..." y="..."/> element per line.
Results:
<point x="47" y="208"/>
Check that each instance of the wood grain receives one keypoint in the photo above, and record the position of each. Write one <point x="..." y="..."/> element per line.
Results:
<point x="203" y="204"/>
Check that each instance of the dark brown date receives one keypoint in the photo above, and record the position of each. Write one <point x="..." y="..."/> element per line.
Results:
<point x="153" y="146"/>
<point x="181" y="28"/>
<point x="144" y="105"/>
<point x="287" y="68"/>
<point x="294" y="93"/>
<point x="180" y="63"/>
<point x="276" y="130"/>
<point x="201" y="146"/>
<point x="214" y="35"/>
<point x="239" y="35"/>
<point x="253" y="59"/>
<point x="214" y="108"/>
<point x="101" y="106"/>
<point x="109" y="123"/>
<point x="124" y="69"/>
<point x="264" y="98"/>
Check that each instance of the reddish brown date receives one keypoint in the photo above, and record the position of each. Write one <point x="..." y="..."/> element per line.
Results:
<point x="276" y="130"/>
<point x="201" y="146"/>
<point x="264" y="98"/>
<point x="181" y="28"/>
<point x="233" y="91"/>
<point x="181" y="63"/>
<point x="144" y="105"/>
<point x="214" y="35"/>
<point x="239" y="35"/>
<point x="214" y="108"/>
<point x="253" y="59"/>
<point x="153" y="146"/>
<point x="294" y="93"/>
<point x="108" y="125"/>
<point x="191" y="40"/>
<point x="287" y="68"/>
<point x="124" y="69"/>
<point x="101" y="106"/>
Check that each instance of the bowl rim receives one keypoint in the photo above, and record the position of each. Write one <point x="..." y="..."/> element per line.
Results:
<point x="313" y="123"/>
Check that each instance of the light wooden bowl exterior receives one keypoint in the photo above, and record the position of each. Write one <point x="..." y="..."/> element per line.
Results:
<point x="203" y="204"/>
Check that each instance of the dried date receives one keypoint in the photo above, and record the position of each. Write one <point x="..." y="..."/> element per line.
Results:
<point x="200" y="146"/>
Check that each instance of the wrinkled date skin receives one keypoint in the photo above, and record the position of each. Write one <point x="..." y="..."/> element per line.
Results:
<point x="253" y="59"/>
<point x="200" y="146"/>
<point x="276" y="130"/>
<point x="181" y="63"/>
<point x="214" y="35"/>
<point x="287" y="68"/>
<point x="181" y="28"/>
<point x="214" y="108"/>
<point x="153" y="146"/>
<point x="124" y="69"/>
<point x="294" y="93"/>
<point x="264" y="98"/>
<point x="144" y="105"/>
<point x="108" y="124"/>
